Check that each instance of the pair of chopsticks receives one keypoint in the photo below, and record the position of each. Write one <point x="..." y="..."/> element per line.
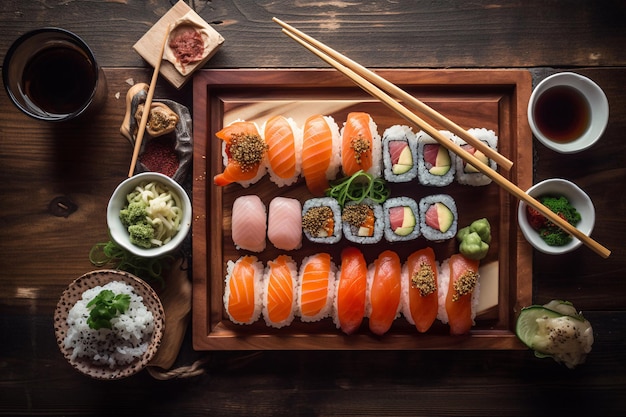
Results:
<point x="147" y="105"/>
<point x="375" y="86"/>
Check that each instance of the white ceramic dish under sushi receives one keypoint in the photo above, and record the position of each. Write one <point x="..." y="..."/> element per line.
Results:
<point x="576" y="196"/>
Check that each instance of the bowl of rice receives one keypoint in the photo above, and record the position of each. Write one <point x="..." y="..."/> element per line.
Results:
<point x="149" y="215"/>
<point x="129" y="341"/>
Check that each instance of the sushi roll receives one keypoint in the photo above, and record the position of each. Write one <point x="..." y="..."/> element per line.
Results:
<point x="316" y="287"/>
<point x="459" y="289"/>
<point x="249" y="223"/>
<point x="401" y="216"/>
<point x="384" y="292"/>
<point x="321" y="220"/>
<point x="399" y="154"/>
<point x="360" y="145"/>
<point x="350" y="294"/>
<point x="279" y="292"/>
<point x="467" y="174"/>
<point x="363" y="222"/>
<point x="284" y="150"/>
<point x="438" y="217"/>
<point x="244" y="154"/>
<point x="420" y="297"/>
<point x="321" y="158"/>
<point x="435" y="165"/>
<point x="284" y="223"/>
<point x="243" y="290"/>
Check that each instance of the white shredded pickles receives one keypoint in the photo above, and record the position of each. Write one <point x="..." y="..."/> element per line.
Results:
<point x="164" y="209"/>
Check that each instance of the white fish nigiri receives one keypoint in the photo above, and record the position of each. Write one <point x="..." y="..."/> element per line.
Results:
<point x="284" y="223"/>
<point x="249" y="223"/>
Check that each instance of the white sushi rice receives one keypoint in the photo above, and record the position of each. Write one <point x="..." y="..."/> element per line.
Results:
<point x="125" y="342"/>
<point x="443" y="283"/>
<point x="423" y="175"/>
<point x="293" y="270"/>
<point x="330" y="293"/>
<point x="401" y="133"/>
<point x="476" y="178"/>
<point x="335" y="162"/>
<point x="258" y="290"/>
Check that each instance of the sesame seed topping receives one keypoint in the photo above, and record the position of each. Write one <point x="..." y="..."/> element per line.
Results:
<point x="247" y="150"/>
<point x="465" y="285"/>
<point x="360" y="145"/>
<point x="424" y="279"/>
<point x="356" y="214"/>
<point x="316" y="219"/>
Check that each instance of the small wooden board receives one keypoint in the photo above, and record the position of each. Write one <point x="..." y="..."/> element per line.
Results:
<point x="150" y="43"/>
<point x="493" y="99"/>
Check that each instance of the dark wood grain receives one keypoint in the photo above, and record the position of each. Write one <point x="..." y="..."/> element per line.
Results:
<point x="84" y="161"/>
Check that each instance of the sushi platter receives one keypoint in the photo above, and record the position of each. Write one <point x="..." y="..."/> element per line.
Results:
<point x="491" y="99"/>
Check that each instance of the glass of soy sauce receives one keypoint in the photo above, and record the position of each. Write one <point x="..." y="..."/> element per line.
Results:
<point x="568" y="112"/>
<point x="51" y="74"/>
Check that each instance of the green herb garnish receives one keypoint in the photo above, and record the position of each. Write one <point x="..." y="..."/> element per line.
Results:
<point x="106" y="306"/>
<point x="358" y="187"/>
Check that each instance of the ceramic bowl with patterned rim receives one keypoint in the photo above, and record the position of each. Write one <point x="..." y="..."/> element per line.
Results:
<point x="74" y="292"/>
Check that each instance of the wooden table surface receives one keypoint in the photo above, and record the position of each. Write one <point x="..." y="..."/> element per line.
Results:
<point x="83" y="162"/>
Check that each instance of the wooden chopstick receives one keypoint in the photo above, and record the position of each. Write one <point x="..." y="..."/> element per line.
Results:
<point x="466" y="156"/>
<point x="400" y="94"/>
<point x="147" y="105"/>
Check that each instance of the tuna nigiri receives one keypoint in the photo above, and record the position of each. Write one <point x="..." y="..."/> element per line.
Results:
<point x="360" y="145"/>
<point x="384" y="292"/>
<point x="243" y="288"/>
<point x="284" y="223"/>
<point x="284" y="150"/>
<point x="320" y="153"/>
<point x="249" y="223"/>
<point x="349" y="303"/>
<point x="244" y="154"/>
<point x="460" y="293"/>
<point x="279" y="299"/>
<point x="316" y="287"/>
<point x="419" y="283"/>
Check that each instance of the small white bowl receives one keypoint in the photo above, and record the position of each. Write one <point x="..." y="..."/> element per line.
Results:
<point x="577" y="197"/>
<point x="598" y="107"/>
<point x="117" y="202"/>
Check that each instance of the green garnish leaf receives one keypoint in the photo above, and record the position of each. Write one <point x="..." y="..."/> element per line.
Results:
<point x="357" y="188"/>
<point x="105" y="306"/>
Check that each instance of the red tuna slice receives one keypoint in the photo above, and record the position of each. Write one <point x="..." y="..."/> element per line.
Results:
<point x="430" y="155"/>
<point x="432" y="217"/>
<point x="396" y="217"/>
<point x="395" y="149"/>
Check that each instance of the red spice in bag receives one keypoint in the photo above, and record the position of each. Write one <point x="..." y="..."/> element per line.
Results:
<point x="159" y="156"/>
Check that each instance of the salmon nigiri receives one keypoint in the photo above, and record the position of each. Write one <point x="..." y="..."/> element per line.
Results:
<point x="316" y="287"/>
<point x="242" y="292"/>
<point x="279" y="292"/>
<point x="320" y="153"/>
<point x="244" y="154"/>
<point x="284" y="150"/>
<point x="419" y="281"/>
<point x="384" y="292"/>
<point x="462" y="285"/>
<point x="349" y="304"/>
<point x="360" y="145"/>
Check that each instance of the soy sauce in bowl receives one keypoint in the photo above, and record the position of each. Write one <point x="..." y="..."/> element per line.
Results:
<point x="562" y="113"/>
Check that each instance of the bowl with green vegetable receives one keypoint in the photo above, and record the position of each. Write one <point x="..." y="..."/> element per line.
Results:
<point x="569" y="202"/>
<point x="109" y="324"/>
<point x="149" y="215"/>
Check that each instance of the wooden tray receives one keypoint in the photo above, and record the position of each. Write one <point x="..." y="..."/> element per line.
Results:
<point x="493" y="99"/>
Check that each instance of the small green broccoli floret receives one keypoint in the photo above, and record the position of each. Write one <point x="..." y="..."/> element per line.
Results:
<point x="134" y="213"/>
<point x="141" y="234"/>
